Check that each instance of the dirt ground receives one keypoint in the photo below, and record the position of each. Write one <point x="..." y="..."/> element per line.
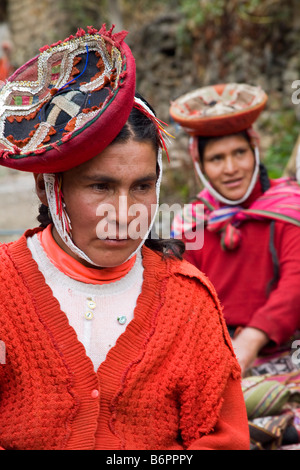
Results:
<point x="18" y="203"/>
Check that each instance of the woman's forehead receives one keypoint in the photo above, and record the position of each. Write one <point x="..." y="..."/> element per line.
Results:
<point x="223" y="143"/>
<point x="117" y="160"/>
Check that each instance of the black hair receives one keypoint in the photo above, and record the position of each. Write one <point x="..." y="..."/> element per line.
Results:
<point x="140" y="128"/>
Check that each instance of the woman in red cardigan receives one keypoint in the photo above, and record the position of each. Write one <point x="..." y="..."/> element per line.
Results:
<point x="251" y="224"/>
<point x="112" y="341"/>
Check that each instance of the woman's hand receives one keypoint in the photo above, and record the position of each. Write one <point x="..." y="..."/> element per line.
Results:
<point x="247" y="345"/>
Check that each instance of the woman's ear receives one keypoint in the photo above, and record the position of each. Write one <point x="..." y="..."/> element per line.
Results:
<point x="40" y="188"/>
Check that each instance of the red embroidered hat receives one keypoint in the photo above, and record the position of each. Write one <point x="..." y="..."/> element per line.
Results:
<point x="219" y="110"/>
<point x="66" y="105"/>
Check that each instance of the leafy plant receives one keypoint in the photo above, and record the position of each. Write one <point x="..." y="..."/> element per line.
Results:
<point x="285" y="129"/>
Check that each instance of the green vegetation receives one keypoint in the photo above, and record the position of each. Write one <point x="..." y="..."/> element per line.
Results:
<point x="285" y="131"/>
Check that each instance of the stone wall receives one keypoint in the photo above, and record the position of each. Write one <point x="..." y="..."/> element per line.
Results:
<point x="234" y="49"/>
<point x="33" y="24"/>
<point x="231" y="49"/>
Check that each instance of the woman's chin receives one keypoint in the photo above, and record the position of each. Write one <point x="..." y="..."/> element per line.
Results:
<point x="112" y="253"/>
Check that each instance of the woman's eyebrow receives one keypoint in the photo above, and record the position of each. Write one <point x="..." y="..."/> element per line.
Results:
<point x="99" y="177"/>
<point x="113" y="179"/>
<point x="213" y="155"/>
<point x="147" y="178"/>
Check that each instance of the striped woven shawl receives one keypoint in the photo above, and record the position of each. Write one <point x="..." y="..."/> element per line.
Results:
<point x="281" y="202"/>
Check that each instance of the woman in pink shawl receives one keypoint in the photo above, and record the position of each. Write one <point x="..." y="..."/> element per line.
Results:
<point x="251" y="224"/>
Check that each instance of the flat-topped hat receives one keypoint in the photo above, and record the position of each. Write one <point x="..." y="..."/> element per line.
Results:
<point x="219" y="110"/>
<point x="66" y="105"/>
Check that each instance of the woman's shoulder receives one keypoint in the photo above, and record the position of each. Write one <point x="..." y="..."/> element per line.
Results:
<point x="189" y="294"/>
<point x="13" y="252"/>
<point x="181" y="271"/>
<point x="5" y="248"/>
<point x="191" y="277"/>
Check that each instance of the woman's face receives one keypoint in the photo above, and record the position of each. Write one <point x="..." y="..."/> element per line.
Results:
<point x="109" y="201"/>
<point x="228" y="164"/>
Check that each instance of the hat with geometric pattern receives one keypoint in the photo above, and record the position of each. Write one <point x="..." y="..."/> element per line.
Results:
<point x="66" y="105"/>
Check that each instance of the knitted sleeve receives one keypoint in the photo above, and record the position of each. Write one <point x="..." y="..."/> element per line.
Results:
<point x="231" y="431"/>
<point x="213" y="413"/>
<point x="279" y="317"/>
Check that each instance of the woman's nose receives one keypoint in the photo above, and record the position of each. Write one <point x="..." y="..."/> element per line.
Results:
<point x="115" y="210"/>
<point x="229" y="165"/>
<point x="122" y="207"/>
<point x="114" y="218"/>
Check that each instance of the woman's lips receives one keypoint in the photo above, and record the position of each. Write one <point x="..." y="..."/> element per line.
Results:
<point x="232" y="183"/>
<point x="114" y="242"/>
<point x="117" y="240"/>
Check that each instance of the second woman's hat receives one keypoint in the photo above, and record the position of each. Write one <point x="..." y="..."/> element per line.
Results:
<point x="219" y="110"/>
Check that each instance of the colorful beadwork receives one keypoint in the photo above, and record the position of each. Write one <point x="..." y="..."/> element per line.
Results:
<point x="61" y="90"/>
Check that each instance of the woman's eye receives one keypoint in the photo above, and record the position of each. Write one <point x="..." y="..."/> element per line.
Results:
<point x="100" y="186"/>
<point x="216" y="158"/>
<point x="241" y="151"/>
<point x="143" y="187"/>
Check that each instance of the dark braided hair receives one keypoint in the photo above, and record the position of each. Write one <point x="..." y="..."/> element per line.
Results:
<point x="264" y="178"/>
<point x="44" y="217"/>
<point x="141" y="129"/>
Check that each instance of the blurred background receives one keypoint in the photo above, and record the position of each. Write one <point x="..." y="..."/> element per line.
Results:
<point x="179" y="45"/>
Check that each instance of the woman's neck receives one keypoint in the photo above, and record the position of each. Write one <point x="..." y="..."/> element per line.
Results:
<point x="74" y="268"/>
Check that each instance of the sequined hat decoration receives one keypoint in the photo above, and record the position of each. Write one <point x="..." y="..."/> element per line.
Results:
<point x="76" y="92"/>
<point x="219" y="110"/>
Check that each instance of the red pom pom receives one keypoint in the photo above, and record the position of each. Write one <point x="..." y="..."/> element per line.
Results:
<point x="56" y="43"/>
<point x="80" y="33"/>
<point x="92" y="30"/>
<point x="44" y="48"/>
<point x="103" y="29"/>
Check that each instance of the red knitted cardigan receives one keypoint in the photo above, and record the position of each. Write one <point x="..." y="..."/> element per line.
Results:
<point x="162" y="386"/>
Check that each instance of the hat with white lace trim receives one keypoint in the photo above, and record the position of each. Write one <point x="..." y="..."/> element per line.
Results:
<point x="219" y="110"/>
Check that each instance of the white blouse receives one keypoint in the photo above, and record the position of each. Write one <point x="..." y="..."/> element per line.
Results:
<point x="99" y="314"/>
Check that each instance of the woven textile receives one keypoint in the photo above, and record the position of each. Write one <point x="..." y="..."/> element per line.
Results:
<point x="75" y="92"/>
<point x="272" y="397"/>
<point x="281" y="202"/>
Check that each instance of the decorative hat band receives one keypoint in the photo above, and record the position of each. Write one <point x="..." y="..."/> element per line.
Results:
<point x="76" y="91"/>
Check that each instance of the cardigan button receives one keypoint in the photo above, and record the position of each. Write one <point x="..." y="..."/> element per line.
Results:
<point x="95" y="393"/>
<point x="89" y="315"/>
